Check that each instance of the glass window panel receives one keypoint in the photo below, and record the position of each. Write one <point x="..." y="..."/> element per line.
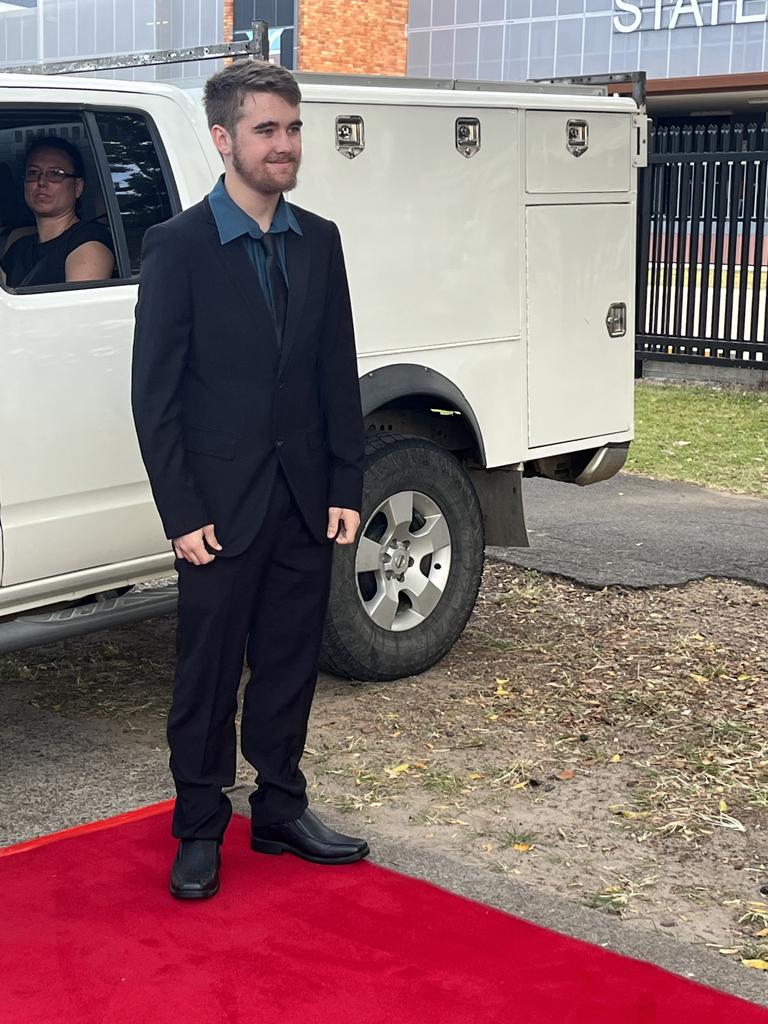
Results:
<point x="492" y="10"/>
<point x="568" y="65"/>
<point x="284" y="14"/>
<point x="467" y="71"/>
<point x="569" y="38"/>
<point x="466" y="45"/>
<point x="443" y="12"/>
<point x="212" y="27"/>
<point x="599" y="5"/>
<point x="467" y="11"/>
<point x="517" y="41"/>
<point x="727" y="12"/>
<point x="190" y="23"/>
<point x="123" y="29"/>
<point x="13" y="39"/>
<point x="86" y="28"/>
<point x="50" y="34"/>
<point x="715" y="60"/>
<point x="489" y="71"/>
<point x="105" y="29"/>
<point x="418" y="48"/>
<point x="570" y="7"/>
<point x="543" y="8"/>
<point x="67" y="33"/>
<point x="17" y="130"/>
<point x="594" y="64"/>
<point x="420" y="13"/>
<point x="137" y="177"/>
<point x="442" y="47"/>
<point x="491" y="43"/>
<point x="543" y="40"/>
<point x="542" y="67"/>
<point x="515" y="70"/>
<point x="597" y="36"/>
<point x="625" y="51"/>
<point x="144" y="23"/>
<point x="747" y="58"/>
<point x="29" y="38"/>
<point x="653" y="53"/>
<point x="177" y="22"/>
<point x="287" y="47"/>
<point x="518" y="8"/>
<point x="684" y="61"/>
<point x="441" y="71"/>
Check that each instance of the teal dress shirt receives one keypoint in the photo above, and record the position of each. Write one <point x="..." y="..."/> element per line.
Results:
<point x="232" y="222"/>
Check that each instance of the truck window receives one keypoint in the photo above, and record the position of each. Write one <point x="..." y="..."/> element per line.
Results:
<point x="25" y="263"/>
<point x="143" y="194"/>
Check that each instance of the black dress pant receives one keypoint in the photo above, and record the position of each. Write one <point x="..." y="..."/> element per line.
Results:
<point x="270" y="602"/>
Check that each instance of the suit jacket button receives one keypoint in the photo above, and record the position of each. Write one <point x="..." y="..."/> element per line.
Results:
<point x="279" y="444"/>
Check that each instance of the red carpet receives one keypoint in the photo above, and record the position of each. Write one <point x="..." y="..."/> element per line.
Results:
<point x="89" y="935"/>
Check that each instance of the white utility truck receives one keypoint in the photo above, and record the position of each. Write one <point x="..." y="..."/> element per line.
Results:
<point x="489" y="233"/>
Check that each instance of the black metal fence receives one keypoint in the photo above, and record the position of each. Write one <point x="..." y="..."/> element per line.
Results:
<point x="703" y="246"/>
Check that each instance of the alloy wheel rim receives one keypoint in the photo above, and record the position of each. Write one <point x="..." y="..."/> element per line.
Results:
<point x="403" y="561"/>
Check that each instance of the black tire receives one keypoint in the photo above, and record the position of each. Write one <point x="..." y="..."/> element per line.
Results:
<point x="356" y="647"/>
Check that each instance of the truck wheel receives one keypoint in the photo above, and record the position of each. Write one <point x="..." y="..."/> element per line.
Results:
<point x="402" y="594"/>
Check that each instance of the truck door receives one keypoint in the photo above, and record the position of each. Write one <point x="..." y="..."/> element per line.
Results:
<point x="72" y="487"/>
<point x="580" y="260"/>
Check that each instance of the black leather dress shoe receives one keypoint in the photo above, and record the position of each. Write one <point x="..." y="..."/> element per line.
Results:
<point x="195" y="872"/>
<point x="309" y="838"/>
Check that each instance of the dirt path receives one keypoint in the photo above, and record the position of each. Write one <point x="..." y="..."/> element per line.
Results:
<point x="610" y="747"/>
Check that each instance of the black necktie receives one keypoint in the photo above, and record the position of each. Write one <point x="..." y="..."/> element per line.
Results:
<point x="277" y="284"/>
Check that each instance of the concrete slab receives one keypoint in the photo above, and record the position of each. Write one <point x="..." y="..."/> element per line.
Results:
<point x="634" y="532"/>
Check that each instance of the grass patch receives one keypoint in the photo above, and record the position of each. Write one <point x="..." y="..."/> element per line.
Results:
<point x="703" y="435"/>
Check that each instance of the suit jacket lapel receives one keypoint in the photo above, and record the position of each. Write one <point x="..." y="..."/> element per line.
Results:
<point x="298" y="264"/>
<point x="240" y="270"/>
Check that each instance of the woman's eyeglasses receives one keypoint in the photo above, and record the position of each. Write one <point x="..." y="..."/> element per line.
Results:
<point x="53" y="175"/>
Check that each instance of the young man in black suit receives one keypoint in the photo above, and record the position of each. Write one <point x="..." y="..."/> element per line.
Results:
<point x="247" y="408"/>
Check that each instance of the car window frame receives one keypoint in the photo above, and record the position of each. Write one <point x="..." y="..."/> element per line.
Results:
<point x="87" y="113"/>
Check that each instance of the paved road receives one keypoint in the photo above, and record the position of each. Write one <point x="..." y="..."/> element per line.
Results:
<point x="635" y="532"/>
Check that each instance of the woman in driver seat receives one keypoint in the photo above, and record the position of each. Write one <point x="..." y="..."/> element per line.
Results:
<point x="65" y="249"/>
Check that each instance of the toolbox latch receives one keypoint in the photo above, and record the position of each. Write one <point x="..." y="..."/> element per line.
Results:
<point x="350" y="135"/>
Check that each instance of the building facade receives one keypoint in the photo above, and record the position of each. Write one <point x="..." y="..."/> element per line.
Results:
<point x="514" y="40"/>
<point x="352" y="36"/>
<point x="51" y="30"/>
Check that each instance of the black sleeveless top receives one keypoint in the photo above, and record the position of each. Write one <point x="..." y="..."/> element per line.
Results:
<point x="30" y="262"/>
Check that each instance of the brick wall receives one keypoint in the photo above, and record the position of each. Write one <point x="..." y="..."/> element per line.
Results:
<point x="353" y="36"/>
<point x="229" y="20"/>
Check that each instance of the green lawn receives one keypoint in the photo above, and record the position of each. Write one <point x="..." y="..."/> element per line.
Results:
<point x="706" y="435"/>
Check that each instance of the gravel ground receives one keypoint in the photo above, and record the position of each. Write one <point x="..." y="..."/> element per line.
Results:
<point x="608" y="746"/>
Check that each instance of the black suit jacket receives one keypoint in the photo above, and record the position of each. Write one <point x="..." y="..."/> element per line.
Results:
<point x="218" y="404"/>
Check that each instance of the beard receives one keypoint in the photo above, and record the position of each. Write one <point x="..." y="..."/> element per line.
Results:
<point x="259" y="179"/>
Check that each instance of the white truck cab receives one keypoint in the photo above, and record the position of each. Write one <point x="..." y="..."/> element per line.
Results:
<point x="489" y="233"/>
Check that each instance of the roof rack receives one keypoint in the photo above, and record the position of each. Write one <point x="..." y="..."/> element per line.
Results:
<point x="256" y="48"/>
<point x="444" y="84"/>
<point x="637" y="79"/>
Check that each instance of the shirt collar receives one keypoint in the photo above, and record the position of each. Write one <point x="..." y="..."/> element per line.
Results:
<point x="233" y="222"/>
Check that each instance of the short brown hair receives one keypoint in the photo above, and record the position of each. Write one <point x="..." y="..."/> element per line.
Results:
<point x="225" y="92"/>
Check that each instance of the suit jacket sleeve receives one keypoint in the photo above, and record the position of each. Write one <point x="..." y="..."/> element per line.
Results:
<point x="160" y="350"/>
<point x="340" y="389"/>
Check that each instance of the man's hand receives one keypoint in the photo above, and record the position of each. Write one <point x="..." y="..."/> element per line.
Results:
<point x="343" y="524"/>
<point x="191" y="548"/>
